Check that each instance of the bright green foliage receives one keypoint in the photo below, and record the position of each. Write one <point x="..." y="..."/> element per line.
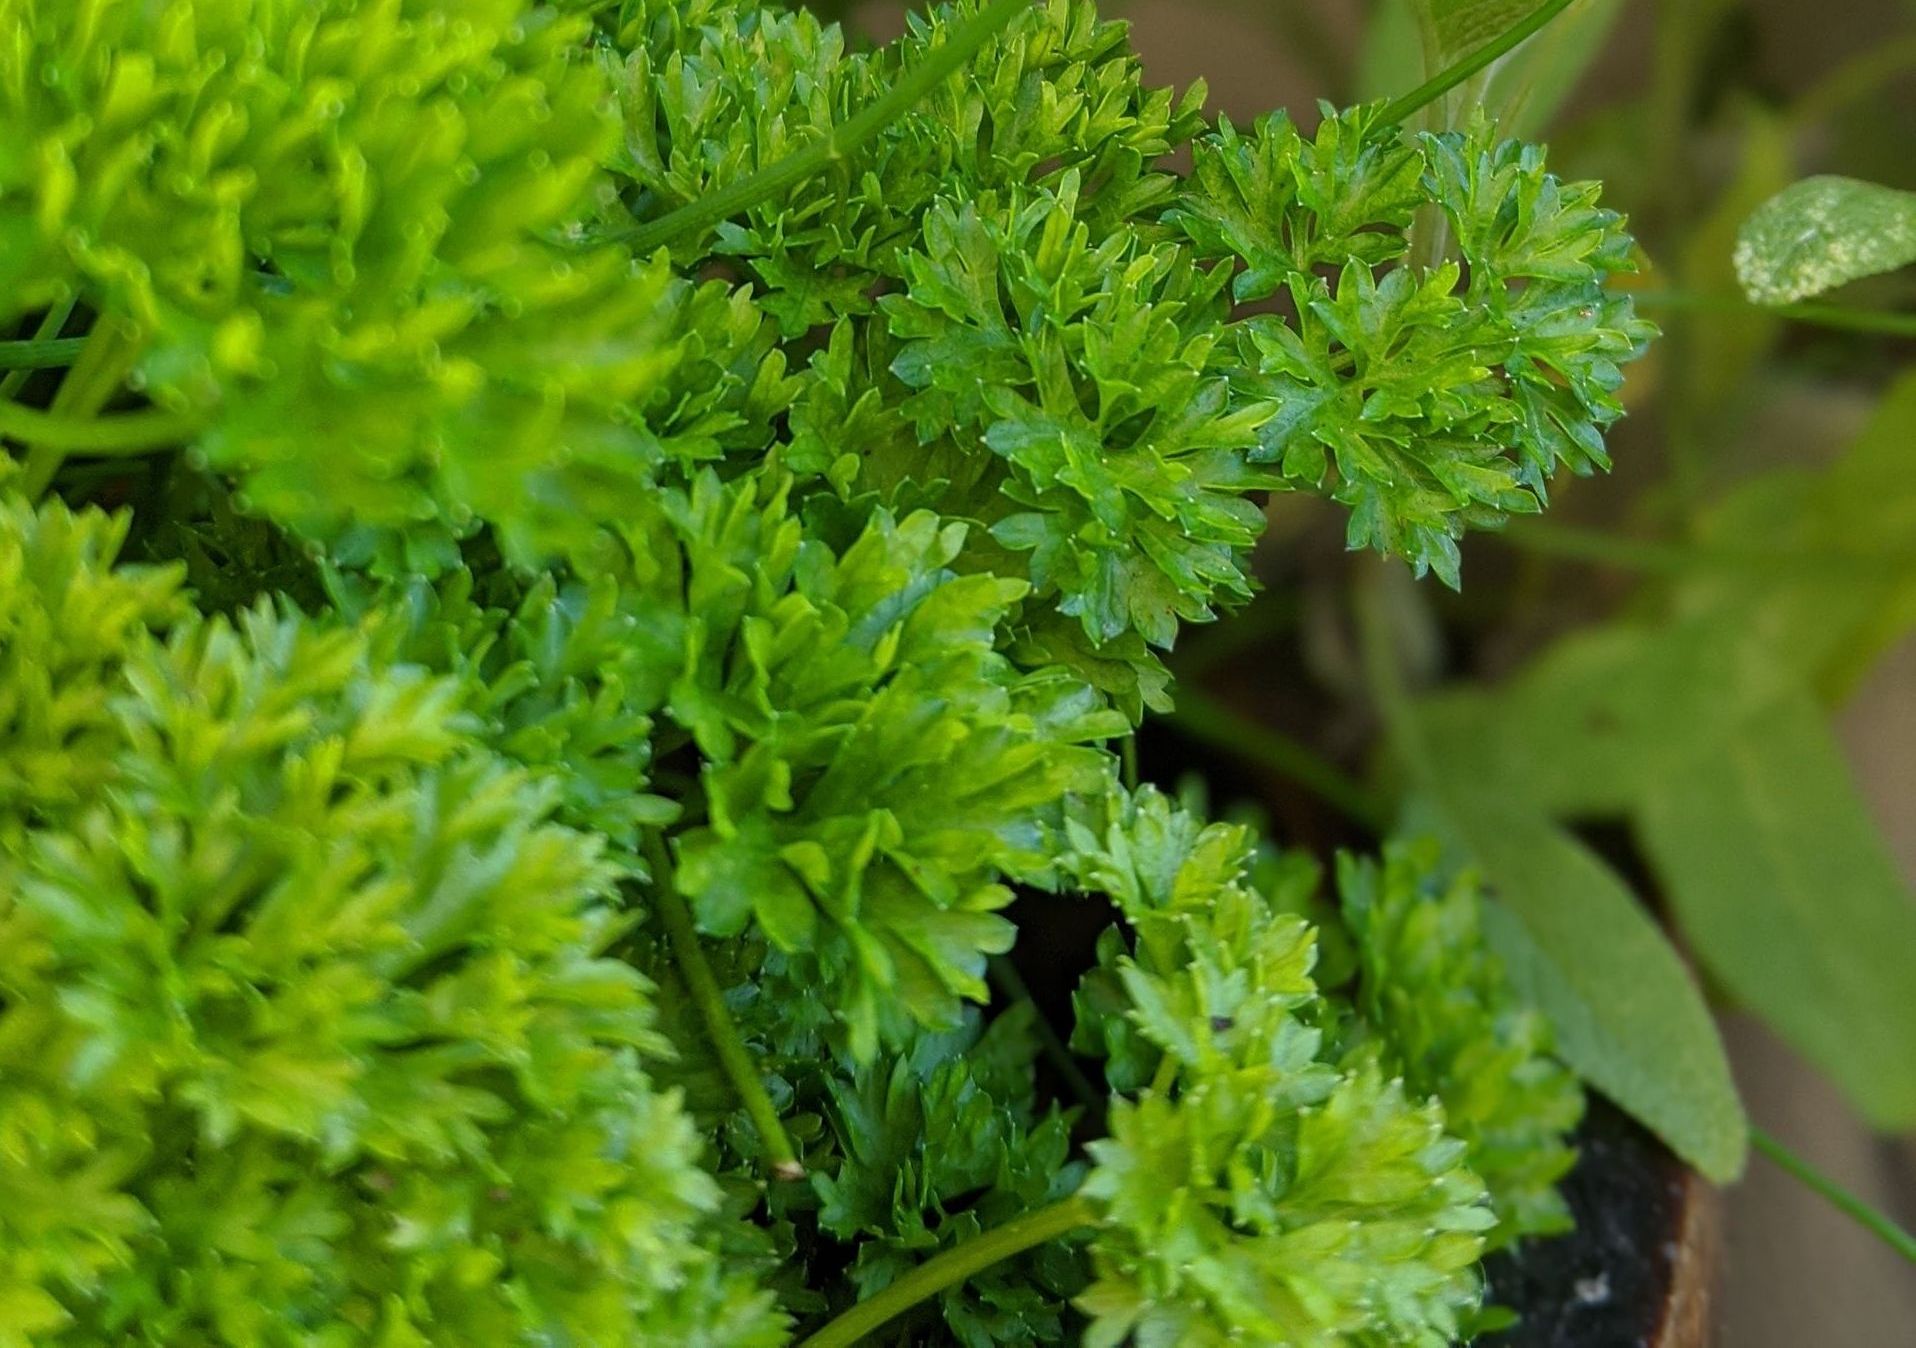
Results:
<point x="1447" y="1019"/>
<point x="714" y="89"/>
<point x="870" y="771"/>
<point x="1321" y="1219"/>
<point x="999" y="279"/>
<point x="327" y="227"/>
<point x="66" y="623"/>
<point x="806" y="571"/>
<point x="872" y="766"/>
<point x="306" y="1032"/>
<point x="1265" y="1183"/>
<point x="1425" y="399"/>
<point x="1132" y="474"/>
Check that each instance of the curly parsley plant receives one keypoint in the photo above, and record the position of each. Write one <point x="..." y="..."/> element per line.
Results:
<point x="562" y="564"/>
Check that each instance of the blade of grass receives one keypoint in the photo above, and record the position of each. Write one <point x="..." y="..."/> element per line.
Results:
<point x="40" y="354"/>
<point x="1878" y="1224"/>
<point x="1821" y="315"/>
<point x="1209" y="721"/>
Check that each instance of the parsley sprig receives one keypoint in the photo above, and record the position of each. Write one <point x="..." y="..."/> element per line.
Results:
<point x="649" y="526"/>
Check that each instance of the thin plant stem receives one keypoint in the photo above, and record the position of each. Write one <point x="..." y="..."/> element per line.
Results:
<point x="123" y="433"/>
<point x="1853" y="81"/>
<point x="71" y="424"/>
<point x="1384" y="674"/>
<point x="1128" y="755"/>
<point x="1821" y="315"/>
<point x="1209" y="721"/>
<point x="1401" y="108"/>
<point x="1548" y="538"/>
<point x="1011" y="983"/>
<point x="952" y="1267"/>
<point x="54" y="319"/>
<point x="40" y="353"/>
<point x="777" y="178"/>
<point x="1878" y="1224"/>
<point x="1567" y="541"/>
<point x="734" y="1058"/>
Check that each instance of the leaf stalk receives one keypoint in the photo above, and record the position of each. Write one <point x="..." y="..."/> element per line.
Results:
<point x="1878" y="1224"/>
<point x="1399" y="109"/>
<point x="953" y="1267"/>
<point x="734" y="1058"/>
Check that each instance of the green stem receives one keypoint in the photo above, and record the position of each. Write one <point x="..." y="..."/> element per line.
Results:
<point x="1384" y="674"/>
<point x="1547" y="538"/>
<point x="734" y="1058"/>
<point x="775" y="179"/>
<point x="953" y="1267"/>
<point x="1434" y="88"/>
<point x="71" y="424"/>
<point x="1012" y="984"/>
<point x="54" y="319"/>
<point x="40" y="353"/>
<point x="1209" y="721"/>
<point x="124" y="433"/>
<point x="1822" y="315"/>
<point x="1853" y="81"/>
<point x="1551" y="539"/>
<point x="1878" y="1224"/>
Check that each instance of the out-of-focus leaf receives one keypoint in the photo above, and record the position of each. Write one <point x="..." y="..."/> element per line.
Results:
<point x="1722" y="350"/>
<point x="1628" y="1017"/>
<point x="1534" y="80"/>
<point x="1844" y="588"/>
<point x="1788" y="896"/>
<point x="1821" y="233"/>
<point x="1453" y="29"/>
<point x="1406" y="40"/>
<point x="1390" y="58"/>
<point x="1605" y="711"/>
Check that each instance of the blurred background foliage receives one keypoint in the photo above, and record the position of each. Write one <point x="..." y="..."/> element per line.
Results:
<point x="1694" y="677"/>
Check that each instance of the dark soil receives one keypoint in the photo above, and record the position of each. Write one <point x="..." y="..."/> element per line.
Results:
<point x="1606" y="1284"/>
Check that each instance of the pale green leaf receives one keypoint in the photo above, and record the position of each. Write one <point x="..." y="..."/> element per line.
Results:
<point x="1390" y="57"/>
<point x="1821" y="233"/>
<point x="1531" y="84"/>
<point x="1628" y="1017"/>
<point x="1453" y="29"/>
<point x="1526" y="87"/>
<point x="1782" y="883"/>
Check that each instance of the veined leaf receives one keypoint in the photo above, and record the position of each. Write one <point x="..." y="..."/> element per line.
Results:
<point x="1532" y="83"/>
<point x="1821" y="233"/>
<point x="1789" y="897"/>
<point x="1628" y="1016"/>
<point x="1455" y="28"/>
